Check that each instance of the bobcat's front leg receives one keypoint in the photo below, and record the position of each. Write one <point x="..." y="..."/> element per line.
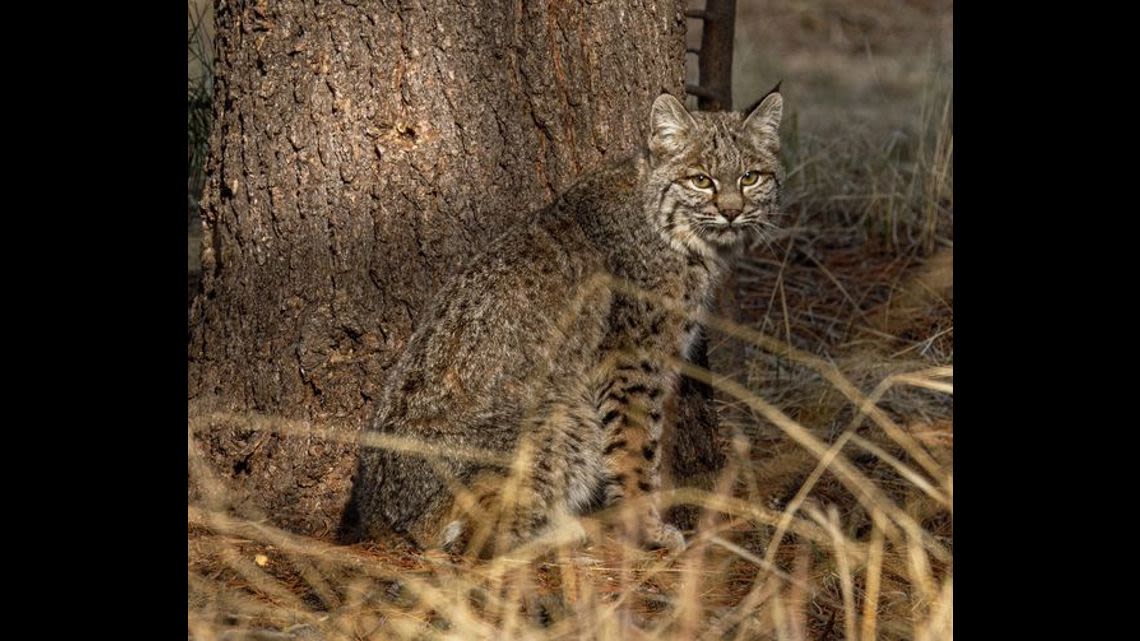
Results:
<point x="631" y="403"/>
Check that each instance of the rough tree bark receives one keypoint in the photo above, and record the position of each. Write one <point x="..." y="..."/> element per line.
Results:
<point x="361" y="151"/>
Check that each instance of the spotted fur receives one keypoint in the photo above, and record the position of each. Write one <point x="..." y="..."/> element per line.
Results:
<point x="553" y="346"/>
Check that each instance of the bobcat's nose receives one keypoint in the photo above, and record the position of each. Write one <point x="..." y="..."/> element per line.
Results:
<point x="730" y="214"/>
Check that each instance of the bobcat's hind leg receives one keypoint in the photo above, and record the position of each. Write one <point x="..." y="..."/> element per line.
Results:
<point x="553" y="476"/>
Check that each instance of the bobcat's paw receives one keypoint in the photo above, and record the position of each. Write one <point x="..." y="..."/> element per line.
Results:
<point x="451" y="535"/>
<point x="665" y="536"/>
<point x="468" y="538"/>
<point x="565" y="530"/>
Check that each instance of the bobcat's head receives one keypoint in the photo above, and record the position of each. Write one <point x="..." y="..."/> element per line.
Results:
<point x="714" y="177"/>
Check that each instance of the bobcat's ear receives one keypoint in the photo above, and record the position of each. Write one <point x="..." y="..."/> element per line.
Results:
<point x="761" y="127"/>
<point x="670" y="126"/>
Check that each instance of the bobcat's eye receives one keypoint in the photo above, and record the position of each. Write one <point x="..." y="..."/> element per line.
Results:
<point x="701" y="181"/>
<point x="749" y="178"/>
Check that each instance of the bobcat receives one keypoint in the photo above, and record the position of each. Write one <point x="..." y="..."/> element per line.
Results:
<point x="534" y="352"/>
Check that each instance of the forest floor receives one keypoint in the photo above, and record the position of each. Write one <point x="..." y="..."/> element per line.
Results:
<point x="837" y="345"/>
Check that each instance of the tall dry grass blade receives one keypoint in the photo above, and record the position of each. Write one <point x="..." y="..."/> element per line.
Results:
<point x="939" y="626"/>
<point x="873" y="583"/>
<point x="798" y="597"/>
<point x="781" y="620"/>
<point x="903" y="471"/>
<point x="918" y="566"/>
<point x="830" y="522"/>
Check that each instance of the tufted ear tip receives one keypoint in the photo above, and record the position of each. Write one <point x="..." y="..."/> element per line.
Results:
<point x="763" y="121"/>
<point x="666" y="101"/>
<point x="669" y="124"/>
<point x="668" y="112"/>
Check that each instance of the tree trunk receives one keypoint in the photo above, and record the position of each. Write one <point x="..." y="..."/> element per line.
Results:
<point x="361" y="151"/>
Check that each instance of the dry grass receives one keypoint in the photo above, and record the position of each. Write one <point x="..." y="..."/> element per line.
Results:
<point x="833" y="517"/>
<point x="832" y="520"/>
<point x="814" y="533"/>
